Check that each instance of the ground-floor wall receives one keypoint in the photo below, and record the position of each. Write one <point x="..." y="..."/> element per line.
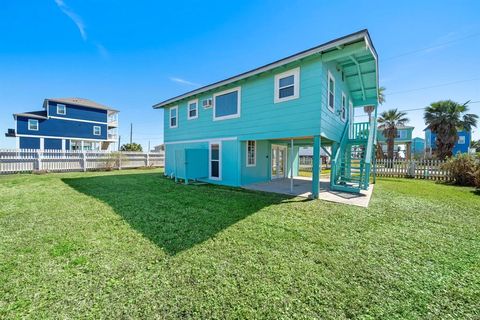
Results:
<point x="185" y="160"/>
<point x="45" y="143"/>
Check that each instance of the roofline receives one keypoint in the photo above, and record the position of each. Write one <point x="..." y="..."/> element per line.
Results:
<point x="28" y="115"/>
<point x="362" y="34"/>
<point x="45" y="102"/>
<point x="398" y="128"/>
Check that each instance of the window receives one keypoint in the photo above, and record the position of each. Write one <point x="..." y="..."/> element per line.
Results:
<point x="61" y="109"/>
<point x="251" y="153"/>
<point x="287" y="85"/>
<point x="173" y="117"/>
<point x="97" y="130"/>
<point x="343" y="112"/>
<point x="33" y="124"/>
<point x="192" y="109"/>
<point x="401" y="134"/>
<point x="226" y="104"/>
<point x="461" y="140"/>
<point x="331" y="92"/>
<point x="215" y="161"/>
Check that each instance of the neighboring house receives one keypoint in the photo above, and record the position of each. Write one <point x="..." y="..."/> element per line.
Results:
<point x="67" y="124"/>
<point x="248" y="128"/>
<point x="461" y="146"/>
<point x="403" y="142"/>
<point x="418" y="147"/>
<point x="159" y="148"/>
<point x="306" y="155"/>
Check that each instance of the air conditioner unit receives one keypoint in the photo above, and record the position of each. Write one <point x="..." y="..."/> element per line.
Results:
<point x="207" y="103"/>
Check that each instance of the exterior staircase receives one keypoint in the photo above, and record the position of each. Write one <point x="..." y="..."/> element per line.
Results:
<point x="352" y="162"/>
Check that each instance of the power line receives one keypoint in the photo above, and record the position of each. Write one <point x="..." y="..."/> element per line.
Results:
<point x="433" y="86"/>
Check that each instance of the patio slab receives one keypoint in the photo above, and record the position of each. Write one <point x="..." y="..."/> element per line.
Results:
<point x="302" y="187"/>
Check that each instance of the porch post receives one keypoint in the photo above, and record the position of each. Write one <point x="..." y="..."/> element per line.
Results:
<point x="316" y="167"/>
<point x="291" y="165"/>
<point x="408" y="150"/>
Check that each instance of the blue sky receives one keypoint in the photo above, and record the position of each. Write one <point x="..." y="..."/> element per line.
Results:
<point x="132" y="54"/>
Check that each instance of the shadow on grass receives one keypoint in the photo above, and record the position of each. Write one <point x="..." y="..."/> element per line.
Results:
<point x="173" y="216"/>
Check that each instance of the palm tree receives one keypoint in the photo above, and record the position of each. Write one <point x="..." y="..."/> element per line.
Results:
<point x="444" y="118"/>
<point x="389" y="121"/>
<point x="476" y="145"/>
<point x="381" y="95"/>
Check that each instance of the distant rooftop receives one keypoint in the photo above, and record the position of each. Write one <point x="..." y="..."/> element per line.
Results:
<point x="80" y="102"/>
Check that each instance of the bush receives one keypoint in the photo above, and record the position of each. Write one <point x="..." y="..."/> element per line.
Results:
<point x="463" y="169"/>
<point x="131" y="147"/>
<point x="114" y="160"/>
<point x="476" y="177"/>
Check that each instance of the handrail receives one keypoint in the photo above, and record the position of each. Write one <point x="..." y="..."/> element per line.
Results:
<point x="335" y="165"/>
<point x="371" y="136"/>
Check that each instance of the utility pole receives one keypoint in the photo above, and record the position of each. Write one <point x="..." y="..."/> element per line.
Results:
<point x="119" y="139"/>
<point x="131" y="130"/>
<point x="148" y="146"/>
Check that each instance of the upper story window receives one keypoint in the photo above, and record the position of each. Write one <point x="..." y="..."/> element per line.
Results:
<point x="226" y="104"/>
<point x="173" y="117"/>
<point x="401" y="134"/>
<point x="61" y="109"/>
<point x="343" y="112"/>
<point x="97" y="130"/>
<point x="33" y="124"/>
<point x="461" y="140"/>
<point x="192" y="109"/>
<point x="251" y="153"/>
<point x="331" y="92"/>
<point x="287" y="85"/>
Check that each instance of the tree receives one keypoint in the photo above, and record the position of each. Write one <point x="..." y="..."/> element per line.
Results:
<point x="444" y="118"/>
<point x="131" y="147"/>
<point x="476" y="145"/>
<point x="389" y="121"/>
<point x="381" y="95"/>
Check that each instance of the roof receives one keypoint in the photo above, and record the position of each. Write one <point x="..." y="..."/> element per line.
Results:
<point x="333" y="44"/>
<point x="80" y="102"/>
<point x="32" y="114"/>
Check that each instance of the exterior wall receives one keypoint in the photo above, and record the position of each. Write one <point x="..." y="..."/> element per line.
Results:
<point x="78" y="112"/>
<point x="430" y="141"/>
<point x="62" y="128"/>
<point x="52" y="144"/>
<point x="418" y="146"/>
<point x="332" y="125"/>
<point x="29" y="143"/>
<point x="405" y="134"/>
<point x="262" y="170"/>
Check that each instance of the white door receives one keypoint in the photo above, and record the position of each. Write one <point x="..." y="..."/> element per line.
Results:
<point x="279" y="161"/>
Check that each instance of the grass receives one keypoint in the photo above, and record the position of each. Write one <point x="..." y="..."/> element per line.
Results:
<point x="133" y="244"/>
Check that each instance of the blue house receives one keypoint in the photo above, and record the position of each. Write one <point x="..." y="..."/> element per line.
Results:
<point x="67" y="124"/>
<point x="461" y="146"/>
<point x="248" y="128"/>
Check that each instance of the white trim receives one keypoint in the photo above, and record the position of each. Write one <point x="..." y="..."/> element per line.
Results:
<point x="323" y="47"/>
<point x="254" y="153"/>
<point x="330" y="77"/>
<point x="285" y="169"/>
<point x="42" y="143"/>
<point x="28" y="125"/>
<point x="17" y="142"/>
<point x="201" y="140"/>
<point x="78" y="120"/>
<point x="170" y="117"/>
<point x="63" y="144"/>
<point x="343" y="109"/>
<point x="64" y="109"/>
<point x="99" y="130"/>
<point x="231" y="116"/>
<point x="57" y="137"/>
<point x="219" y="143"/>
<point x="296" y="85"/>
<point x="196" y="109"/>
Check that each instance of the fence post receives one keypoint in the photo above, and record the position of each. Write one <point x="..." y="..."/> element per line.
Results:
<point x="147" y="159"/>
<point x="39" y="160"/>
<point x="84" y="161"/>
<point x="120" y="155"/>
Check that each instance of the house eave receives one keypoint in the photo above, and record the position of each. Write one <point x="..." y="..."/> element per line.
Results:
<point x="333" y="44"/>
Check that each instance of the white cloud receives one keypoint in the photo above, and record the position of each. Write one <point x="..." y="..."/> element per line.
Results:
<point x="184" y="82"/>
<point x="74" y="17"/>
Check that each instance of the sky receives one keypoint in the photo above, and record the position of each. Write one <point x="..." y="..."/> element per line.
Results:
<point x="132" y="54"/>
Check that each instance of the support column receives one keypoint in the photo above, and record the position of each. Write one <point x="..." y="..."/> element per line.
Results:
<point x="291" y="165"/>
<point x="316" y="167"/>
<point x="409" y="151"/>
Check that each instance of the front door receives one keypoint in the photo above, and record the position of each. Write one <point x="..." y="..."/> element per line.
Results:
<point x="279" y="161"/>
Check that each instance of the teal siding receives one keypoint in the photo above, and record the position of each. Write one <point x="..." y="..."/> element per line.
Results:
<point x="261" y="171"/>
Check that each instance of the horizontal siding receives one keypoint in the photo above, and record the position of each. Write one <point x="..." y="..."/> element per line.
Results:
<point x="78" y="112"/>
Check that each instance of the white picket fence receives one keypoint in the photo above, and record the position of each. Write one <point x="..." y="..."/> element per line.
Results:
<point x="27" y="160"/>
<point x="419" y="169"/>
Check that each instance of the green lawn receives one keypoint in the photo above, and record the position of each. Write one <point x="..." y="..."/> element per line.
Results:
<point x="133" y="244"/>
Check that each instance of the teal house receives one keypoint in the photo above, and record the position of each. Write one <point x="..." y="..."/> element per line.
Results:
<point x="403" y="142"/>
<point x="418" y="146"/>
<point x="248" y="128"/>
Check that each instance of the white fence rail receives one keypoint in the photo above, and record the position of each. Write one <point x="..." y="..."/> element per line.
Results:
<point x="27" y="160"/>
<point x="419" y="169"/>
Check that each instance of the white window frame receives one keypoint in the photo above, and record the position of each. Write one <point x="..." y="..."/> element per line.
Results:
<point x="64" y="109"/>
<point x="343" y="110"/>
<point x="95" y="130"/>
<point x="296" y="85"/>
<point x="231" y="116"/>
<point x="170" y="117"/>
<point x="33" y="120"/>
<point x="196" y="109"/>
<point x="254" y="153"/>
<point x="330" y="77"/>
<point x="219" y="143"/>
<point x="462" y="140"/>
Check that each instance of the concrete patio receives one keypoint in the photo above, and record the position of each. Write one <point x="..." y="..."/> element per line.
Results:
<point x="302" y="187"/>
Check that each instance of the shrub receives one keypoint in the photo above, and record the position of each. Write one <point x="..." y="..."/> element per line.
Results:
<point x="463" y="168"/>
<point x="131" y="147"/>
<point x="114" y="160"/>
